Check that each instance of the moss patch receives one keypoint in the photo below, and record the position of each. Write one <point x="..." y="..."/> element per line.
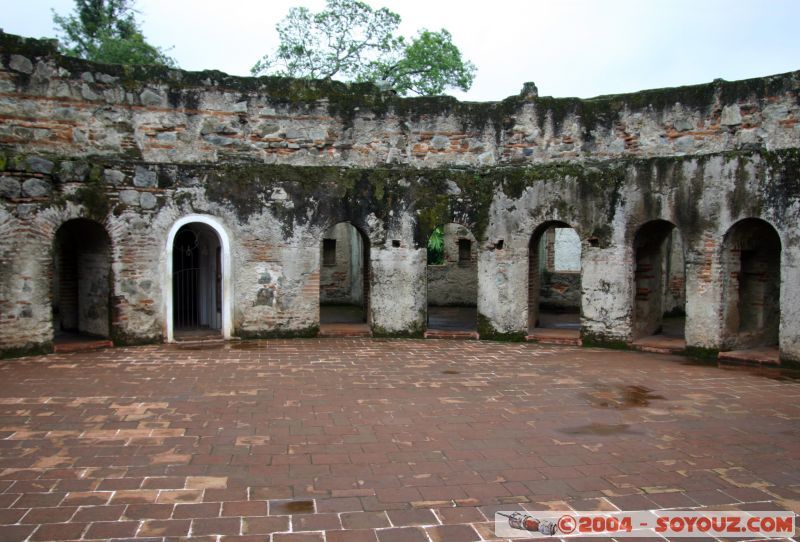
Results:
<point x="33" y="349"/>
<point x="304" y="333"/>
<point x="486" y="331"/>
<point x="414" y="332"/>
<point x="94" y="198"/>
<point x="702" y="353"/>
<point x="596" y="340"/>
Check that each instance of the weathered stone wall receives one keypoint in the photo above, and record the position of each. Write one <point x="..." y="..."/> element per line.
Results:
<point x="273" y="163"/>
<point x="560" y="291"/>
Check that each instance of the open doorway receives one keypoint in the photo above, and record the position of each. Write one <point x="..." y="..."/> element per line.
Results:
<point x="452" y="282"/>
<point x="659" y="316"/>
<point x="344" y="288"/>
<point x="554" y="284"/>
<point x="751" y="256"/>
<point x="196" y="282"/>
<point x="81" y="285"/>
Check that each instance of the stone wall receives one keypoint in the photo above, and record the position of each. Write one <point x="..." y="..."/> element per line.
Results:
<point x="560" y="291"/>
<point x="270" y="164"/>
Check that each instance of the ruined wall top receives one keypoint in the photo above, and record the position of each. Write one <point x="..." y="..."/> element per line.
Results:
<point x="56" y="105"/>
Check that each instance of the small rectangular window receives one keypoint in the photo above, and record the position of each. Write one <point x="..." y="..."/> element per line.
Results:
<point x="464" y="251"/>
<point x="328" y="252"/>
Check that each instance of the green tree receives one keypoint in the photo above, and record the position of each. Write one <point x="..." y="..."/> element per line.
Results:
<point x="351" y="41"/>
<point x="107" y="31"/>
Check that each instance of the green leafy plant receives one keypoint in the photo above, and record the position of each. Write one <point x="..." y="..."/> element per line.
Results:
<point x="436" y="246"/>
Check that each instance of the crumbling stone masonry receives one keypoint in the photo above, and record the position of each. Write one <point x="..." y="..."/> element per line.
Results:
<point x="116" y="180"/>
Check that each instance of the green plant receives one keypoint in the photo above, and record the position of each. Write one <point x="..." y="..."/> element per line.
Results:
<point x="436" y="246"/>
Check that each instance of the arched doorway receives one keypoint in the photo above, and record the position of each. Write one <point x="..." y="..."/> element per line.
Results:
<point x="452" y="278"/>
<point x="198" y="289"/>
<point x="659" y="286"/>
<point x="554" y="284"/>
<point x="751" y="257"/>
<point x="81" y="285"/>
<point x="344" y="288"/>
<point x="197" y="282"/>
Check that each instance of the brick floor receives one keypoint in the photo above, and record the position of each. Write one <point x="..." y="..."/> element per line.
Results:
<point x="378" y="440"/>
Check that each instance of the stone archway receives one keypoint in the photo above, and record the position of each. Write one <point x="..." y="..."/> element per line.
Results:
<point x="198" y="287"/>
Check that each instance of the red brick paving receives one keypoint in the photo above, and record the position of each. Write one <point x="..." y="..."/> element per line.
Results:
<point x="376" y="440"/>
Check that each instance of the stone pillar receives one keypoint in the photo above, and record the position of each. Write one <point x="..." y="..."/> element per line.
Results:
<point x="607" y="295"/>
<point x="397" y="290"/>
<point x="789" y="335"/>
<point x="703" y="296"/>
<point x="503" y="292"/>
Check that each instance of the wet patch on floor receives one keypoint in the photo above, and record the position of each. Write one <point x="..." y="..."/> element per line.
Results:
<point x="621" y="397"/>
<point x="451" y="372"/>
<point x="598" y="429"/>
<point x="200" y="346"/>
<point x="773" y="373"/>
<point x="246" y="345"/>
<point x="291" y="507"/>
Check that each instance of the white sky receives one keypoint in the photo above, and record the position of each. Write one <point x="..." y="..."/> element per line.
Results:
<point x="567" y="47"/>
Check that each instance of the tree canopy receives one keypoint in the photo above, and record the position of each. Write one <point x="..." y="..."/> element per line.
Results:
<point x="107" y="31"/>
<point x="352" y="41"/>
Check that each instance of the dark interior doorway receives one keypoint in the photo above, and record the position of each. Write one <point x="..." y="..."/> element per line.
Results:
<point x="197" y="282"/>
<point x="81" y="281"/>
<point x="751" y="259"/>
<point x="659" y="281"/>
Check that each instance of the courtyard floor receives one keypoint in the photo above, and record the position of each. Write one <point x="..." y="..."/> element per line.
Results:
<point x="378" y="440"/>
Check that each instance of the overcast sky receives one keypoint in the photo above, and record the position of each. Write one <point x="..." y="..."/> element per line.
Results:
<point x="567" y="47"/>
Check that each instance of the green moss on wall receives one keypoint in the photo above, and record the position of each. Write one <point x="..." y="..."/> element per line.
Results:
<point x="597" y="340"/>
<point x="413" y="332"/>
<point x="486" y="331"/>
<point x="702" y="353"/>
<point x="93" y="196"/>
<point x="304" y="333"/>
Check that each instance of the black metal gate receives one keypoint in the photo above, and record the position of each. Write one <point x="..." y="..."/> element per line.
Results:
<point x="185" y="280"/>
